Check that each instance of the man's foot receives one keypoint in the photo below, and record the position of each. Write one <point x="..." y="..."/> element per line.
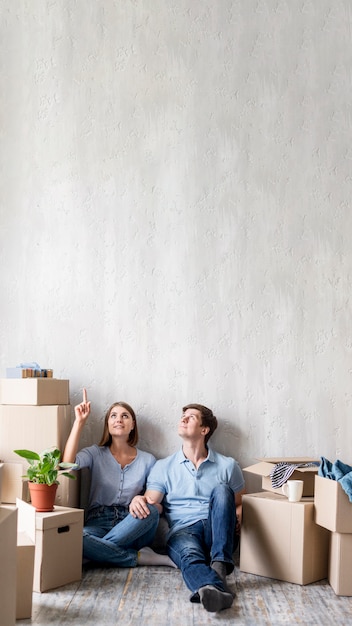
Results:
<point x="147" y="556"/>
<point x="213" y="599"/>
<point x="221" y="570"/>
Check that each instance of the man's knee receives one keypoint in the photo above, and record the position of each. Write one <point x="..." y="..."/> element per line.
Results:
<point x="222" y="494"/>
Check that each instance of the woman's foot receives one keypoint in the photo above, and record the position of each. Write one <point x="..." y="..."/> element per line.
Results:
<point x="147" y="556"/>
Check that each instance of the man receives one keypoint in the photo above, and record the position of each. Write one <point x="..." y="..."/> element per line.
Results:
<point x="201" y="491"/>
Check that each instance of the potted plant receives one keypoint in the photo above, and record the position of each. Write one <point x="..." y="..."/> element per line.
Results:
<point x="42" y="473"/>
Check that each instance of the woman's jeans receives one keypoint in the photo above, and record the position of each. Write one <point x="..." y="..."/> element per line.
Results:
<point x="112" y="535"/>
<point x="194" y="548"/>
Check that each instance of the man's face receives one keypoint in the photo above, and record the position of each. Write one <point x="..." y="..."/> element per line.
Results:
<point x="190" y="426"/>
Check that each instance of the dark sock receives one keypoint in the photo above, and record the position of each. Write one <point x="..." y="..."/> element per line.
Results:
<point x="213" y="599"/>
<point x="220" y="568"/>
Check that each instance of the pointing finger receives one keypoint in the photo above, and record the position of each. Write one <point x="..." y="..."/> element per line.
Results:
<point x="84" y="395"/>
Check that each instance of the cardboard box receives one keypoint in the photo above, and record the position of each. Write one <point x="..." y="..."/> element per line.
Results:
<point x="265" y="466"/>
<point x="34" y="391"/>
<point x="8" y="540"/>
<point x="279" y="539"/>
<point x="333" y="510"/>
<point x="24" y="575"/>
<point x="58" y="548"/>
<point x="37" y="428"/>
<point x="340" y="561"/>
<point x="32" y="428"/>
<point x="13" y="484"/>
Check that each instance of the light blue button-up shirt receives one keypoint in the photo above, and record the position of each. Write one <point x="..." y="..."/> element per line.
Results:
<point x="110" y="483"/>
<point x="187" y="490"/>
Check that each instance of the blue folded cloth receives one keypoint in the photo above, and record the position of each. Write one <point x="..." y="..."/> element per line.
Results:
<point x="338" y="471"/>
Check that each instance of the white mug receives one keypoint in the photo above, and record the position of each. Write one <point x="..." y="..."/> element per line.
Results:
<point x="293" y="490"/>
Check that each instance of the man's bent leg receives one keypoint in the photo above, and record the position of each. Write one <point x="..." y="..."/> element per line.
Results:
<point x="220" y="527"/>
<point x="187" y="549"/>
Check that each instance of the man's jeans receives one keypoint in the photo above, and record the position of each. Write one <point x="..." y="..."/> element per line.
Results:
<point x="112" y="535"/>
<point x="194" y="548"/>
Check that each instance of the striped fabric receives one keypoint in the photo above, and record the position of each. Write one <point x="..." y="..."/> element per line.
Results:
<point x="283" y="471"/>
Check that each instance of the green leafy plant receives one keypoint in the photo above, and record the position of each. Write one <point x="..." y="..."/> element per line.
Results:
<point x="45" y="467"/>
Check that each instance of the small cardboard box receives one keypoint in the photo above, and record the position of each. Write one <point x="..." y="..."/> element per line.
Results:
<point x="333" y="510"/>
<point x="279" y="539"/>
<point x="8" y="539"/>
<point x="58" y="548"/>
<point x="13" y="484"/>
<point x="265" y="466"/>
<point x="34" y="391"/>
<point x="340" y="561"/>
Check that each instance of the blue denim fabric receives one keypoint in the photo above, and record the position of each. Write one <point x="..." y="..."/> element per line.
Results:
<point x="112" y="535"/>
<point x="194" y="548"/>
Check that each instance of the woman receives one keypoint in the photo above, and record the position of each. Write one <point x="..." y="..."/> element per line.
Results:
<point x="118" y="472"/>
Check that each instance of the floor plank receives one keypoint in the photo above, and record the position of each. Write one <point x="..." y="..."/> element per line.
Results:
<point x="157" y="596"/>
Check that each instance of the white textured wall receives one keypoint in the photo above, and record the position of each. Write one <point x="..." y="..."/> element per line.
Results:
<point x="175" y="212"/>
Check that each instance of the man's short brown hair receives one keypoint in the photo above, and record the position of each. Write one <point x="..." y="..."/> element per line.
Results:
<point x="208" y="418"/>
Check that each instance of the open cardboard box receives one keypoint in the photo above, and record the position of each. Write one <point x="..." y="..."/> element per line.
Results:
<point x="58" y="545"/>
<point x="333" y="510"/>
<point x="265" y="466"/>
<point x="279" y="539"/>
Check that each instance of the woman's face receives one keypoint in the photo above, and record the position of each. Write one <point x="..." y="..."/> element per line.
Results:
<point x="120" y="422"/>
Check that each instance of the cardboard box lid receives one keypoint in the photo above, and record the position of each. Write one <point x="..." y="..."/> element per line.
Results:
<point x="60" y="516"/>
<point x="266" y="465"/>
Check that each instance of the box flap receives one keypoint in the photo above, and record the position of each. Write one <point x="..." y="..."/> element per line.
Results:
<point x="26" y="518"/>
<point x="260" y="469"/>
<point x="265" y="466"/>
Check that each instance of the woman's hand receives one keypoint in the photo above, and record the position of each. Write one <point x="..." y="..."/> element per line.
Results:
<point x="138" y="507"/>
<point x="82" y="410"/>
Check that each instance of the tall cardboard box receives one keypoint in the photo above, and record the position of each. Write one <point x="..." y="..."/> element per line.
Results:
<point x="264" y="467"/>
<point x="32" y="428"/>
<point x="279" y="539"/>
<point x="58" y="548"/>
<point x="340" y="562"/>
<point x="8" y="541"/>
<point x="333" y="510"/>
<point x="36" y="428"/>
<point x="36" y="391"/>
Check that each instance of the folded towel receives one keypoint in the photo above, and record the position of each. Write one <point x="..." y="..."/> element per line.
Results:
<point x="338" y="471"/>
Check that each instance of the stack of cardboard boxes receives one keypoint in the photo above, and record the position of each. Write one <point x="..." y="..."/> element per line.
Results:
<point x="281" y="539"/>
<point x="333" y="511"/>
<point x="35" y="414"/>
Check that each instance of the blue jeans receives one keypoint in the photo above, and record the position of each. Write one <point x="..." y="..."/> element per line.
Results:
<point x="112" y="535"/>
<point x="194" y="548"/>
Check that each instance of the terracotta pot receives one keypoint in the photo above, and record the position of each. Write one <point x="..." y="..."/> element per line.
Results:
<point x="42" y="496"/>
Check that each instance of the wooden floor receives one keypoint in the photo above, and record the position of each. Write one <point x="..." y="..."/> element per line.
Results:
<point x="157" y="596"/>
